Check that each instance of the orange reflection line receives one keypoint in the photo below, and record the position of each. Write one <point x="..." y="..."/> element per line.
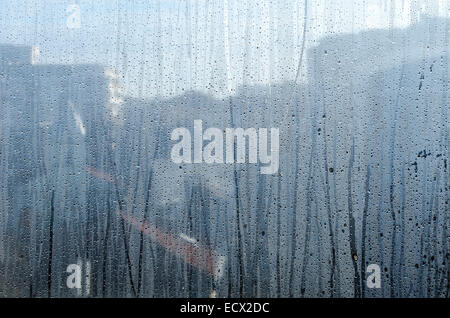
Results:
<point x="99" y="174"/>
<point x="193" y="254"/>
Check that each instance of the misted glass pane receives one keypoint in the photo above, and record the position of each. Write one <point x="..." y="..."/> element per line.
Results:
<point x="229" y="148"/>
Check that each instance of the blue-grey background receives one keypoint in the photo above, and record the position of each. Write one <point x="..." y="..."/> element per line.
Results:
<point x="359" y="90"/>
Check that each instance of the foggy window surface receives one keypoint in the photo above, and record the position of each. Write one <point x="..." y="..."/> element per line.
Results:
<point x="224" y="148"/>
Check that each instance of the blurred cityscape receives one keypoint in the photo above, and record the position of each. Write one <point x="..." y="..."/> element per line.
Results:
<point x="363" y="179"/>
